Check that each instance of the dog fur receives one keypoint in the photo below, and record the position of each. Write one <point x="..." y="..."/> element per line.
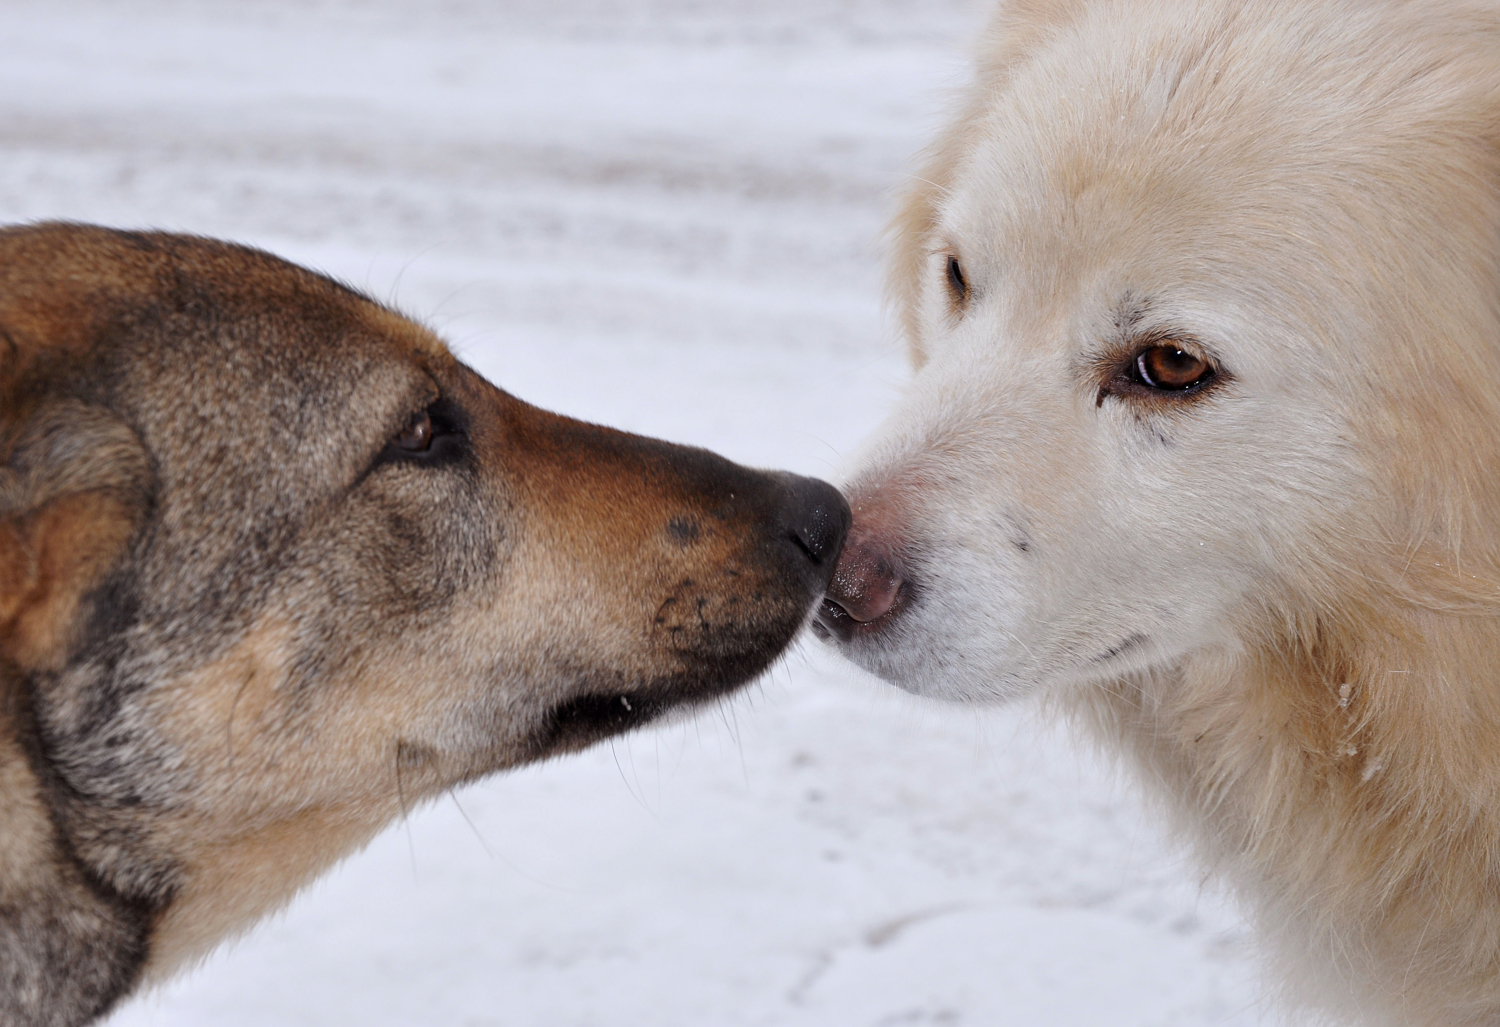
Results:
<point x="1276" y="591"/>
<point x="274" y="566"/>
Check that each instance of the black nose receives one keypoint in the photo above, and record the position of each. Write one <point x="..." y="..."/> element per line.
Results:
<point x="815" y="518"/>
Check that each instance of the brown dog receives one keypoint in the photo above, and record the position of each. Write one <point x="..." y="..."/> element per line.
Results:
<point x="274" y="566"/>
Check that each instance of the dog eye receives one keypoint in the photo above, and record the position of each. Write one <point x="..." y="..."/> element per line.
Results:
<point x="1170" y="369"/>
<point x="956" y="283"/>
<point x="416" y="437"/>
<point x="431" y="437"/>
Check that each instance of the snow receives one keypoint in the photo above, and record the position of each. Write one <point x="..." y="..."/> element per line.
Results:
<point x="664" y="215"/>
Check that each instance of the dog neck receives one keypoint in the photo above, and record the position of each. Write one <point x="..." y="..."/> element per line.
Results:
<point x="1349" y="800"/>
<point x="70" y="945"/>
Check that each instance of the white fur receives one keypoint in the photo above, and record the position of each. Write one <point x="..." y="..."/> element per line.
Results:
<point x="1281" y="597"/>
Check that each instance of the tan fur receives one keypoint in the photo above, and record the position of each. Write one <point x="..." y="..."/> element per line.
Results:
<point x="1281" y="598"/>
<point x="246" y="620"/>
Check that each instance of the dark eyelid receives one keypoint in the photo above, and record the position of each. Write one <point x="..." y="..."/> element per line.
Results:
<point x="958" y="284"/>
<point x="450" y="438"/>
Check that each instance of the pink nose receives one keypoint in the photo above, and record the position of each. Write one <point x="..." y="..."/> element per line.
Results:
<point x="865" y="583"/>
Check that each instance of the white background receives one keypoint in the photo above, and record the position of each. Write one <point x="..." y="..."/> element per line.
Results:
<point x="665" y="215"/>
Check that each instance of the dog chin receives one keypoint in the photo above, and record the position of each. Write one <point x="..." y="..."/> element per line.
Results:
<point x="959" y="667"/>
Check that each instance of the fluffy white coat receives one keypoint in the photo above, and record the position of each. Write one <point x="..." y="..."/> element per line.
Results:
<point x="1277" y="593"/>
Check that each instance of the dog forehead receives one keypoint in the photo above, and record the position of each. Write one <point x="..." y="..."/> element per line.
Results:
<point x="83" y="293"/>
<point x="1094" y="151"/>
<point x="229" y="363"/>
<point x="1222" y="163"/>
<point x="1136" y="124"/>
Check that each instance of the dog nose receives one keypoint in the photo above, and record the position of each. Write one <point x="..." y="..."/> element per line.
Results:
<point x="816" y="519"/>
<point x="865" y="585"/>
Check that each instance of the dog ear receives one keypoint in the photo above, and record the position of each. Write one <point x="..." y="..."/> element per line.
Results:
<point x="1016" y="30"/>
<point x="73" y="490"/>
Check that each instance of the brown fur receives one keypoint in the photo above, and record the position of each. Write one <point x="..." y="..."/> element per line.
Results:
<point x="241" y="628"/>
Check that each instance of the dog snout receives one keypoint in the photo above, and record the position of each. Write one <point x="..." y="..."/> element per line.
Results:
<point x="815" y="518"/>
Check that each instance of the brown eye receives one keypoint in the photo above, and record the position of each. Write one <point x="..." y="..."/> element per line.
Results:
<point x="1170" y="369"/>
<point x="956" y="279"/>
<point x="435" y="437"/>
<point x="416" y="437"/>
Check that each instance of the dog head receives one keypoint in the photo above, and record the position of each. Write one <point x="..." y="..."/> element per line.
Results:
<point x="1203" y="310"/>
<point x="274" y="566"/>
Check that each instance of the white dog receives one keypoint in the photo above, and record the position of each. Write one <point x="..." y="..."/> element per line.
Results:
<point x="1203" y="442"/>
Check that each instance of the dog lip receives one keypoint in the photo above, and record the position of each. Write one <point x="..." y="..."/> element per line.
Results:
<point x="603" y="708"/>
<point x="607" y="713"/>
<point x="581" y="721"/>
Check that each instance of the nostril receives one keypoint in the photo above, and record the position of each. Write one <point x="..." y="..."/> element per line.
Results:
<point x="876" y="580"/>
<point x="865" y="584"/>
<point x="817" y="518"/>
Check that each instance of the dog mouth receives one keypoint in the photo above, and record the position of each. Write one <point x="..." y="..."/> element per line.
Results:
<point x="603" y="712"/>
<point x="708" y="640"/>
<point x="587" y="718"/>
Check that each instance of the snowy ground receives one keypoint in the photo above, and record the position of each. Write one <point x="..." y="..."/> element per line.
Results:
<point x="664" y="215"/>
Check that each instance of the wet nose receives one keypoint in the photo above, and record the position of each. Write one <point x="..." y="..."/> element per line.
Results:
<point x="815" y="518"/>
<point x="865" y="583"/>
